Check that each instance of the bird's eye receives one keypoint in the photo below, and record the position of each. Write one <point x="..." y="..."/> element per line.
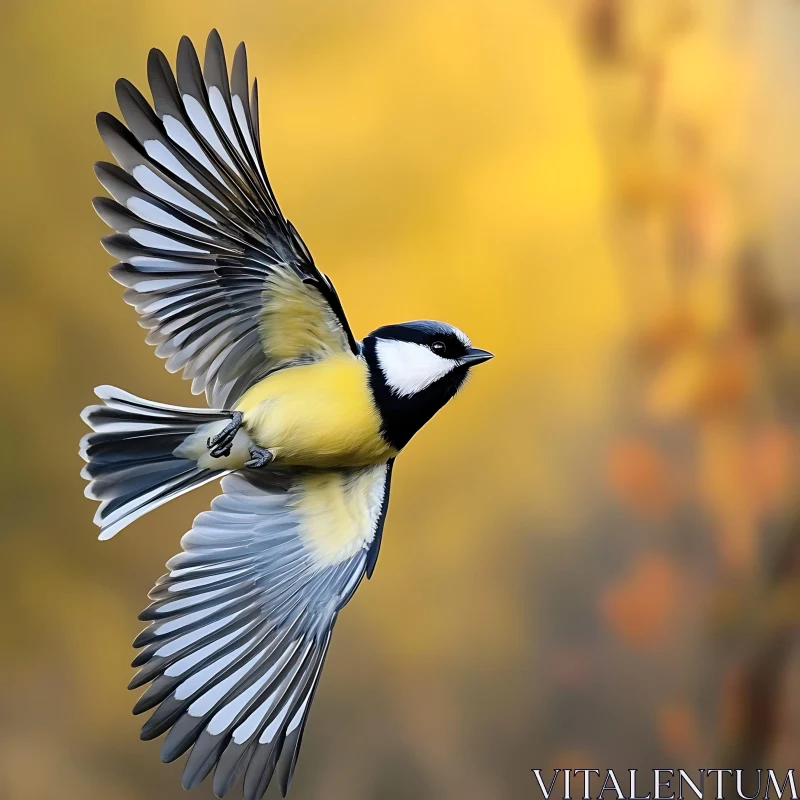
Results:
<point x="440" y="348"/>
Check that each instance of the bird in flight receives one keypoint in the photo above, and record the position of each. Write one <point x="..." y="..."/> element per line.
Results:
<point x="303" y="423"/>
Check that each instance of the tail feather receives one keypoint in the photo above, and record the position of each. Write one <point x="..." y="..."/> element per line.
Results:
<point x="137" y="456"/>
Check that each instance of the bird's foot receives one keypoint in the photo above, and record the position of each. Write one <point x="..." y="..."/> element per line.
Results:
<point x="260" y="457"/>
<point x="219" y="446"/>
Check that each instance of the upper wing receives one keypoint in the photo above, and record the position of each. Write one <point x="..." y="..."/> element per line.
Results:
<point x="223" y="281"/>
<point x="241" y="624"/>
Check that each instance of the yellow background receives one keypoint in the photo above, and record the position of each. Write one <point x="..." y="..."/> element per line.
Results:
<point x="590" y="556"/>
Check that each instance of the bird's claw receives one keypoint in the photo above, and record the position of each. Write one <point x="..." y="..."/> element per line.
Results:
<point x="260" y="457"/>
<point x="219" y="446"/>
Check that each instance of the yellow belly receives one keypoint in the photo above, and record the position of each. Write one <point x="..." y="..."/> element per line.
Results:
<point x="318" y="414"/>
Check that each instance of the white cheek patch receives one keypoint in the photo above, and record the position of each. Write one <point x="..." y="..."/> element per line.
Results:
<point x="409" y="367"/>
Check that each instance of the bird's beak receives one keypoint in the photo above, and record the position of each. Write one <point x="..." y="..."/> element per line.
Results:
<point x="476" y="356"/>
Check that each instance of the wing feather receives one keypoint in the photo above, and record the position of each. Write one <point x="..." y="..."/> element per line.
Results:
<point x="222" y="281"/>
<point x="240" y="625"/>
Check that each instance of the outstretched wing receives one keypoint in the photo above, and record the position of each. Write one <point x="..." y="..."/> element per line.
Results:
<point x="221" y="279"/>
<point x="241" y="624"/>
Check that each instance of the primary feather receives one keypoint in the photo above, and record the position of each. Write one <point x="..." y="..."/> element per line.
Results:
<point x="241" y="624"/>
<point x="221" y="279"/>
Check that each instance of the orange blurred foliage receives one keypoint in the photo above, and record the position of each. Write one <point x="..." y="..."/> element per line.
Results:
<point x="640" y="606"/>
<point x="771" y="466"/>
<point x="641" y="476"/>
<point x="678" y="729"/>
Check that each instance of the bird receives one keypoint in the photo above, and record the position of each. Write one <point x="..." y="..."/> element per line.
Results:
<point x="302" y="426"/>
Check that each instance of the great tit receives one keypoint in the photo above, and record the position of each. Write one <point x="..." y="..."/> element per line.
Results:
<point x="303" y="423"/>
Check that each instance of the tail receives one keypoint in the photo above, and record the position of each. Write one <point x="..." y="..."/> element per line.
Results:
<point x="142" y="454"/>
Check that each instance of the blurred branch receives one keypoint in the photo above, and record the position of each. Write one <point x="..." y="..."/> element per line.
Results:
<point x="751" y="704"/>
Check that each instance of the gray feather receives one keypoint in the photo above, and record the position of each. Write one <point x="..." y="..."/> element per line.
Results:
<point x="245" y="579"/>
<point x="198" y="226"/>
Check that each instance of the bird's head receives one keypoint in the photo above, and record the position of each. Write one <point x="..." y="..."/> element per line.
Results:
<point x="415" y="368"/>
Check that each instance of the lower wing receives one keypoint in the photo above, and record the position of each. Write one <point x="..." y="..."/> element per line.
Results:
<point x="241" y="624"/>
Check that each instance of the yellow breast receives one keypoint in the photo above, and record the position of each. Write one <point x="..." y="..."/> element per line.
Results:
<point x="320" y="414"/>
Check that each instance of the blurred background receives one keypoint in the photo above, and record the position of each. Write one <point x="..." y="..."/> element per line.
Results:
<point x="592" y="558"/>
